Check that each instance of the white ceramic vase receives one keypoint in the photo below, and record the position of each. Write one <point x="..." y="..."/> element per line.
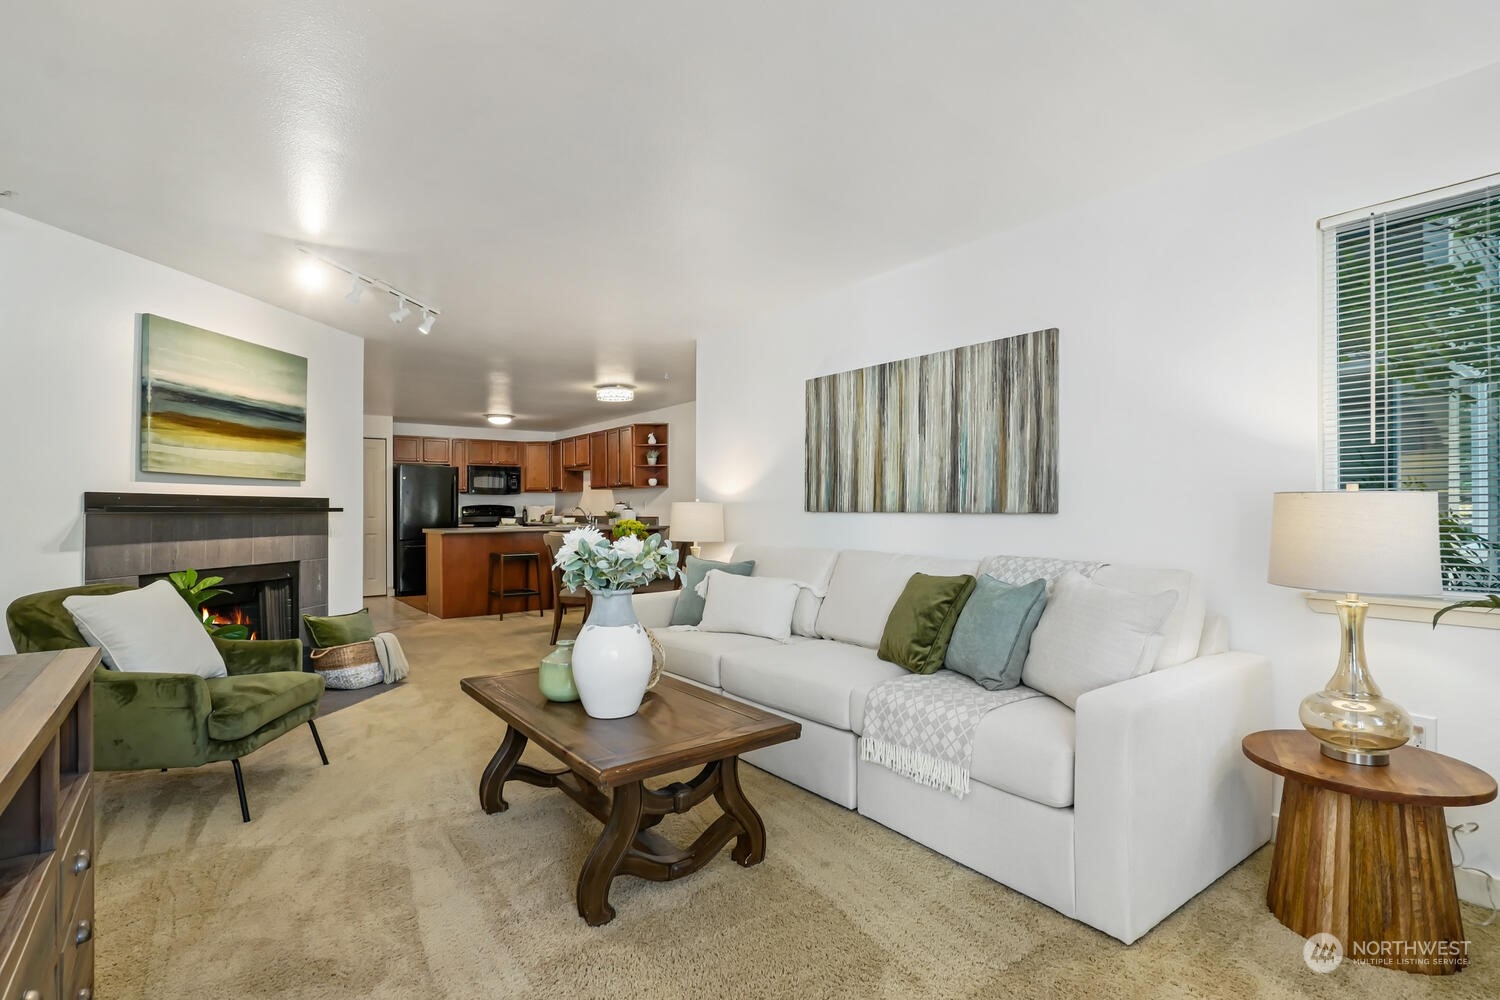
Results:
<point x="612" y="657"/>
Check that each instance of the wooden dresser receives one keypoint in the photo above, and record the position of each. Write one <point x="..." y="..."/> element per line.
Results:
<point x="47" y="826"/>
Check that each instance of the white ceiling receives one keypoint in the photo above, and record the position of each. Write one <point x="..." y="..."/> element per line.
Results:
<point x="586" y="187"/>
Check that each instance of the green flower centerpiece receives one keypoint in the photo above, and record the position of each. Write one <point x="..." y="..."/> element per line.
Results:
<point x="590" y="561"/>
<point x="612" y="656"/>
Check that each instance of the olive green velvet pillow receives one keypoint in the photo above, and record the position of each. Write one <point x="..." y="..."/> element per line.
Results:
<point x="920" y="625"/>
<point x="339" y="630"/>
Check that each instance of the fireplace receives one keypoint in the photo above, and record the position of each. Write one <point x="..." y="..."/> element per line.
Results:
<point x="262" y="597"/>
<point x="271" y="550"/>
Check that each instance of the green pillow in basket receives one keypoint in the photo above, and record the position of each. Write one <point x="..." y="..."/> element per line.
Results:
<point x="345" y="653"/>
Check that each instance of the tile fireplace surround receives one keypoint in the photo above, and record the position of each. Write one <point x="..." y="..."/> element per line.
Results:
<point x="130" y="535"/>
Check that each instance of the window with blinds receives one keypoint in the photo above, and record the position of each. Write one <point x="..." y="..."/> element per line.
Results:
<point x="1412" y="340"/>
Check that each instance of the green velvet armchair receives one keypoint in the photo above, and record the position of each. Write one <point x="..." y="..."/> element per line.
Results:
<point x="162" y="720"/>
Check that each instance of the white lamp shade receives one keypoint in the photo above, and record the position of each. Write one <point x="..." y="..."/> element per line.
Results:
<point x="597" y="502"/>
<point x="1356" y="542"/>
<point x="696" y="521"/>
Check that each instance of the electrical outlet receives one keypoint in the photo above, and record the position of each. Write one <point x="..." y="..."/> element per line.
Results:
<point x="1424" y="731"/>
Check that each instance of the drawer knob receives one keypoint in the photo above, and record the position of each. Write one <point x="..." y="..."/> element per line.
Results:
<point x="32" y="995"/>
<point x="85" y="994"/>
<point x="84" y="932"/>
<point x="81" y="862"/>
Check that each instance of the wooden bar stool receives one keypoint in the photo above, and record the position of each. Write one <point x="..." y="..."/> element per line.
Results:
<point x="531" y="579"/>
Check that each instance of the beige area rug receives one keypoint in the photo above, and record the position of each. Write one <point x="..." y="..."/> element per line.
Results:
<point x="379" y="877"/>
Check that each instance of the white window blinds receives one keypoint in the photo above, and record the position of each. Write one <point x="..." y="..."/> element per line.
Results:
<point x="1412" y="299"/>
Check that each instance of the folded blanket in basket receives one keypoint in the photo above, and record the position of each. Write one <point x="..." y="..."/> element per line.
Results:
<point x="923" y="725"/>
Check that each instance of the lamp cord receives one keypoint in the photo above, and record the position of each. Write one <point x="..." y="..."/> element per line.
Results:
<point x="1459" y="865"/>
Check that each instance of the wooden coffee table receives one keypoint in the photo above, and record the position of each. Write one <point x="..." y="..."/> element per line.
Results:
<point x="1362" y="851"/>
<point x="608" y="762"/>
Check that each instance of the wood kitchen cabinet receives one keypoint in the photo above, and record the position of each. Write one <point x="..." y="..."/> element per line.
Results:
<point x="555" y="466"/>
<point x="625" y="456"/>
<point x="408" y="448"/>
<point x="481" y="451"/>
<point x="598" y="459"/>
<point x="506" y="453"/>
<point x="458" y="457"/>
<point x="576" y="453"/>
<point x="536" y="467"/>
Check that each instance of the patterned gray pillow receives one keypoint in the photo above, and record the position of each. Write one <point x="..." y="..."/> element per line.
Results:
<point x="1021" y="570"/>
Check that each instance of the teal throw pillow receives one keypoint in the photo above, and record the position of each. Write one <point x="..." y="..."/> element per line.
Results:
<point x="339" y="630"/>
<point x="689" y="607"/>
<point x="919" y="626"/>
<point x="993" y="634"/>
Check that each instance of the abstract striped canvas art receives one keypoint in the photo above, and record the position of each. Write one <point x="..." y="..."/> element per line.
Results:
<point x="972" y="430"/>
<point x="212" y="405"/>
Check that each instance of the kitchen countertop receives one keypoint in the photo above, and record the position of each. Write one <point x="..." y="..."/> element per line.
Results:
<point x="501" y="529"/>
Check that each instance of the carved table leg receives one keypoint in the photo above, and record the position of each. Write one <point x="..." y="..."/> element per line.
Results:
<point x="604" y="860"/>
<point x="499" y="770"/>
<point x="750" y="845"/>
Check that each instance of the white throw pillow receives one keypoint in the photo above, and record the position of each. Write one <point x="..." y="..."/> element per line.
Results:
<point x="1092" y="636"/>
<point x="151" y="629"/>
<point x="750" y="605"/>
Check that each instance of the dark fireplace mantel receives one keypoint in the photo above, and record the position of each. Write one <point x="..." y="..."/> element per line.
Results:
<point x="190" y="503"/>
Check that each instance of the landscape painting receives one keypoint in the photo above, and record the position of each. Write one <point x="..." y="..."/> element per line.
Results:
<point x="972" y="430"/>
<point x="212" y="405"/>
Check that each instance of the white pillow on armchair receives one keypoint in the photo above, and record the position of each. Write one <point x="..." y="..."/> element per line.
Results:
<point x="151" y="629"/>
<point x="750" y="605"/>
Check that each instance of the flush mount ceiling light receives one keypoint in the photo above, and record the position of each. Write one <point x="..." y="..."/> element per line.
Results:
<point x="319" y="264"/>
<point x="614" y="393"/>
<point x="499" y="419"/>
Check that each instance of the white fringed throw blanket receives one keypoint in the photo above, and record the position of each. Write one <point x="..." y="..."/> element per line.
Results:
<point x="922" y="726"/>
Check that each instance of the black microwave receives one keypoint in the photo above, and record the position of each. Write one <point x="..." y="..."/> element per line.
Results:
<point x="494" y="479"/>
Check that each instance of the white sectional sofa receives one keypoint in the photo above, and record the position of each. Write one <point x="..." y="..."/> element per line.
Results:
<point x="1114" y="814"/>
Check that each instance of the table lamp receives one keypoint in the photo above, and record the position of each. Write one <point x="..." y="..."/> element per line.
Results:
<point x="696" y="521"/>
<point x="1353" y="542"/>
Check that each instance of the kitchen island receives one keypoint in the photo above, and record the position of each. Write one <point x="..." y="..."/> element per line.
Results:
<point x="458" y="569"/>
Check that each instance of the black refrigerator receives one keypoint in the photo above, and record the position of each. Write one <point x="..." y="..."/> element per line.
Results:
<point x="426" y="496"/>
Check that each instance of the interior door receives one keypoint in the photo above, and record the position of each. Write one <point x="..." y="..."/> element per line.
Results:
<point x="376" y="517"/>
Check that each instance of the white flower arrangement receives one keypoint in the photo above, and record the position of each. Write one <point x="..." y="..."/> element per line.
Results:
<point x="590" y="561"/>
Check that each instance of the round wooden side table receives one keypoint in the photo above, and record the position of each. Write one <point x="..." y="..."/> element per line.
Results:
<point x="1362" y="851"/>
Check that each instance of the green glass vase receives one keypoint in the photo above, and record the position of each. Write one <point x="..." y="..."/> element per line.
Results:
<point x="555" y="673"/>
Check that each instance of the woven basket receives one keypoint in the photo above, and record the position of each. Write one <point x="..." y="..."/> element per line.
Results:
<point x="348" y="667"/>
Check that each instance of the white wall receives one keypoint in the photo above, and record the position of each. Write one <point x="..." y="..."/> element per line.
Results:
<point x="681" y="421"/>
<point x="69" y="359"/>
<point x="377" y="426"/>
<point x="1189" y="313"/>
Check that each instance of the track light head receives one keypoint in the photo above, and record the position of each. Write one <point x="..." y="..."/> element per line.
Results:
<point x="428" y="318"/>
<point x="400" y="313"/>
<point x="355" y="290"/>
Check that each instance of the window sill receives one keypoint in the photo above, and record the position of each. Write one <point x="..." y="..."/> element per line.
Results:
<point x="1408" y="609"/>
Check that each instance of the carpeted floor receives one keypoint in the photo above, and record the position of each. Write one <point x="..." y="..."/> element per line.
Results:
<point x="379" y="877"/>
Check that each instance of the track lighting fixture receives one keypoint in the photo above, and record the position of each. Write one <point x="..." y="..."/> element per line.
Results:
<point x="357" y="282"/>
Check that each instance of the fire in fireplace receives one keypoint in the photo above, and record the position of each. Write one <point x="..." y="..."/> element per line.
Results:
<point x="262" y="597"/>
